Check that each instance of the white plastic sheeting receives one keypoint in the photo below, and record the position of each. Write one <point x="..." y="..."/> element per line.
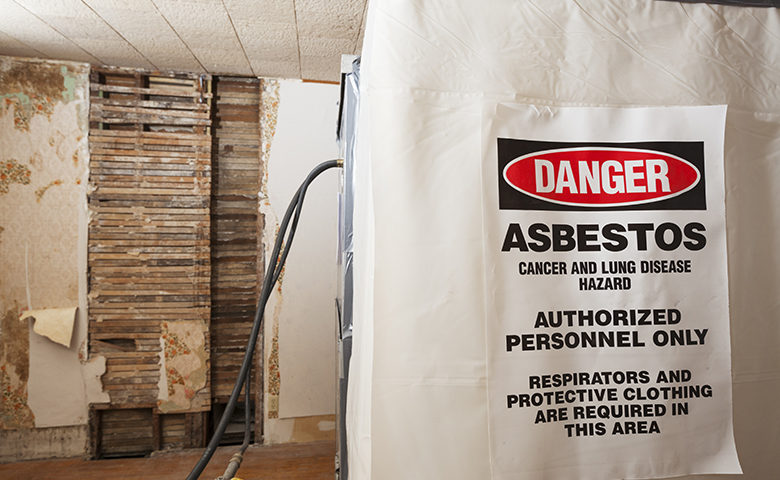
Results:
<point x="418" y="399"/>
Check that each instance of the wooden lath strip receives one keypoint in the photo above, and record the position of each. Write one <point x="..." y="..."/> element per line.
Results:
<point x="178" y="136"/>
<point x="105" y="109"/>
<point x="161" y="92"/>
<point x="200" y="152"/>
<point x="168" y="106"/>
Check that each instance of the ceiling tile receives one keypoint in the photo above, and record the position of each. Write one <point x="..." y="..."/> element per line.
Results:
<point x="271" y="41"/>
<point x="326" y="30"/>
<point x="329" y="18"/>
<point x="77" y="22"/>
<point x="262" y="11"/>
<point x="359" y="43"/>
<point x="277" y="69"/>
<point x="321" y="68"/>
<point x="267" y="32"/>
<point x="144" y="27"/>
<point x="28" y="29"/>
<point x="11" y="46"/>
<point x="318" y="46"/>
<point x="207" y="30"/>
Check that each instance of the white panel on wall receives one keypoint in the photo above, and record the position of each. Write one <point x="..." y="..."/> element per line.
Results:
<point x="305" y="137"/>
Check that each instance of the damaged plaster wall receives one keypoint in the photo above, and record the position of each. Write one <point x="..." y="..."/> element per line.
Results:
<point x="47" y="386"/>
<point x="298" y="122"/>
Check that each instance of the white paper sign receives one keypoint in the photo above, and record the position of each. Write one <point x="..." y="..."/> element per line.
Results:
<point x="606" y="292"/>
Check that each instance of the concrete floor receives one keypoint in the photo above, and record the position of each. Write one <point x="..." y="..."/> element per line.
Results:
<point x="308" y="461"/>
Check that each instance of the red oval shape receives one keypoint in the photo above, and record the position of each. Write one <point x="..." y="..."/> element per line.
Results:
<point x="601" y="176"/>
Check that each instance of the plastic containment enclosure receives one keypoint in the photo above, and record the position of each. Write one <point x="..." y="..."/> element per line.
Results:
<point x="671" y="112"/>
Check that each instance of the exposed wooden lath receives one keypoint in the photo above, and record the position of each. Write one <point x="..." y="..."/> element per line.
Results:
<point x="126" y="432"/>
<point x="174" y="235"/>
<point x="236" y="174"/>
<point x="149" y="236"/>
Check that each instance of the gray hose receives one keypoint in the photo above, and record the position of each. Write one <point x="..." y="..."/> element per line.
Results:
<point x="272" y="275"/>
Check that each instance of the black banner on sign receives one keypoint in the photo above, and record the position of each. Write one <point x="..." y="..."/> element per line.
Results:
<point x="574" y="176"/>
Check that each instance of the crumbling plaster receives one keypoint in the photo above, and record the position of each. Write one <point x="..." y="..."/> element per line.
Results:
<point x="43" y="217"/>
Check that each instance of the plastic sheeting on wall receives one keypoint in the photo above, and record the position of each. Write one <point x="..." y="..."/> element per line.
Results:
<point x="417" y="404"/>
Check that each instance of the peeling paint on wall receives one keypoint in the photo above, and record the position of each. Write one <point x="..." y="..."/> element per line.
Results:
<point x="184" y="364"/>
<point x="56" y="324"/>
<point x="14" y="368"/>
<point x="274" y="375"/>
<point x="268" y="117"/>
<point x="43" y="144"/>
<point x="34" y="88"/>
<point x="12" y="171"/>
<point x="269" y="108"/>
<point x="40" y="191"/>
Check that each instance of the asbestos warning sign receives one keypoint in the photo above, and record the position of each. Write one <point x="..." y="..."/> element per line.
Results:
<point x="606" y="292"/>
